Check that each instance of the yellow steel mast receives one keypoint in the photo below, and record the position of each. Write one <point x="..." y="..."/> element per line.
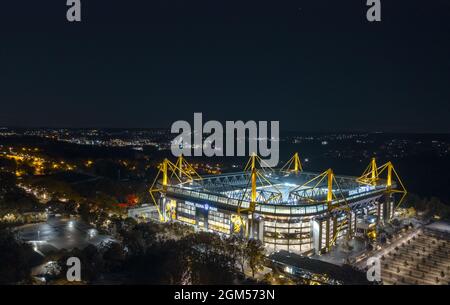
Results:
<point x="372" y="174"/>
<point x="293" y="165"/>
<point x="330" y="176"/>
<point x="179" y="169"/>
<point x="164" y="171"/>
<point x="254" y="176"/>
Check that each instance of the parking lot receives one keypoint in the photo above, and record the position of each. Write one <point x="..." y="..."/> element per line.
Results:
<point x="61" y="233"/>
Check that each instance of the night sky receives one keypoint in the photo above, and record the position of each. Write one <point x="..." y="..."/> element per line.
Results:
<point x="313" y="65"/>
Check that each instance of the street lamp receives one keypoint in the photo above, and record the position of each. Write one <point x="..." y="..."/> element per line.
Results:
<point x="92" y="233"/>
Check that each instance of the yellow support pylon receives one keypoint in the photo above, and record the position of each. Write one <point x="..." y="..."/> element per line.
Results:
<point x="253" y="178"/>
<point x="293" y="165"/>
<point x="389" y="175"/>
<point x="177" y="170"/>
<point x="179" y="164"/>
<point x="330" y="176"/>
<point x="372" y="175"/>
<point x="374" y="169"/>
<point x="255" y="174"/>
<point x="164" y="171"/>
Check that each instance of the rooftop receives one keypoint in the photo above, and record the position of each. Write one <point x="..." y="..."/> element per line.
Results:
<point x="278" y="187"/>
<point x="302" y="264"/>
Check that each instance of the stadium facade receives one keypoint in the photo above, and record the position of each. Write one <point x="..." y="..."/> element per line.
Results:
<point x="287" y="209"/>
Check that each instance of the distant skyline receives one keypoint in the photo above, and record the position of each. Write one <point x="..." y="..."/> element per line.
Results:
<point x="312" y="65"/>
<point x="283" y="132"/>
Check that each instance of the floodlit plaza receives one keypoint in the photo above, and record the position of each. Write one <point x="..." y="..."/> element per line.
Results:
<point x="423" y="259"/>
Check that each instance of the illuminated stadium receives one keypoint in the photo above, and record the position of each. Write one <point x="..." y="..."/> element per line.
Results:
<point x="287" y="208"/>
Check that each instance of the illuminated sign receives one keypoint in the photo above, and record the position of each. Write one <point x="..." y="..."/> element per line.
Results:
<point x="361" y="189"/>
<point x="201" y="206"/>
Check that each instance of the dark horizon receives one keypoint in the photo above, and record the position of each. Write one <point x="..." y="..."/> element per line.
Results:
<point x="312" y="66"/>
<point x="283" y="132"/>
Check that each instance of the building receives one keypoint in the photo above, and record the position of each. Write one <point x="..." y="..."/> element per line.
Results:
<point x="287" y="209"/>
<point x="316" y="271"/>
<point x="143" y="212"/>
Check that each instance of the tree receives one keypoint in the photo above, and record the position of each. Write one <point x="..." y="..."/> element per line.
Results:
<point x="139" y="238"/>
<point x="164" y="262"/>
<point x="209" y="259"/>
<point x="101" y="220"/>
<point x="17" y="200"/>
<point x="213" y="270"/>
<point x="107" y="203"/>
<point x="428" y="206"/>
<point x="113" y="256"/>
<point x="8" y="165"/>
<point x="16" y="259"/>
<point x="255" y="255"/>
<point x="129" y="222"/>
<point x="70" y="207"/>
<point x="235" y="247"/>
<point x="7" y="182"/>
<point x="84" y="210"/>
<point x="59" y="189"/>
<point x="92" y="263"/>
